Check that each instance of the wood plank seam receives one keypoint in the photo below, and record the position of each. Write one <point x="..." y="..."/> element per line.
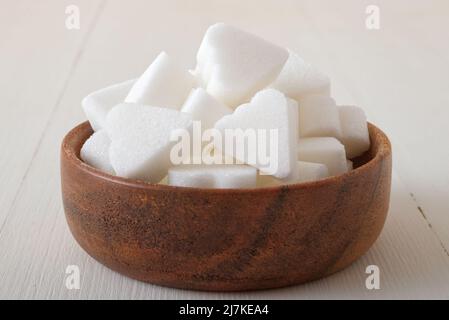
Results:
<point x="421" y="212"/>
<point x="429" y="224"/>
<point x="91" y="26"/>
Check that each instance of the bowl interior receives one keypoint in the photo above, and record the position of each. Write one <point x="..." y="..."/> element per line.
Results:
<point x="74" y="140"/>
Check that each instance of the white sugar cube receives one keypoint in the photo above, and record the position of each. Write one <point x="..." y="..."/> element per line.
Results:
<point x="306" y="171"/>
<point x="196" y="79"/>
<point x="233" y="64"/>
<point x="310" y="171"/>
<point x="354" y="130"/>
<point x="213" y="176"/>
<point x="97" y="104"/>
<point x="95" y="151"/>
<point x="271" y="115"/>
<point x="318" y="117"/>
<point x="163" y="84"/>
<point x="350" y="165"/>
<point x="140" y="139"/>
<point x="299" y="78"/>
<point x="325" y="150"/>
<point x="205" y="108"/>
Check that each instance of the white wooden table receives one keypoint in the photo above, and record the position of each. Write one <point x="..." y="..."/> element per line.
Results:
<point x="399" y="74"/>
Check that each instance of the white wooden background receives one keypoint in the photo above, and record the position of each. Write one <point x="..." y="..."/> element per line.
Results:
<point x="399" y="74"/>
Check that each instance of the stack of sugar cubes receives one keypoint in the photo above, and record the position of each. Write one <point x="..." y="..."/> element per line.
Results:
<point x="241" y="82"/>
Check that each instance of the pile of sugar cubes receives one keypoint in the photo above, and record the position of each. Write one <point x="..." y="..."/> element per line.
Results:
<point x="240" y="82"/>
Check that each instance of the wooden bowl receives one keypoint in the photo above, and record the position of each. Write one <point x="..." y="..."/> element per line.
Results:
<point x="226" y="240"/>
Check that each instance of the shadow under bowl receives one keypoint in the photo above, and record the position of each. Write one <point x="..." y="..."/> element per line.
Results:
<point x="226" y="239"/>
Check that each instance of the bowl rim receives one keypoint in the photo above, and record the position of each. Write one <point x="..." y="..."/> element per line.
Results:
<point x="70" y="154"/>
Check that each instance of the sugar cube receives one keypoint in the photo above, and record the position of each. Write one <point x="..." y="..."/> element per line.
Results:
<point x="299" y="78"/>
<point x="233" y="64"/>
<point x="163" y="84"/>
<point x="310" y="171"/>
<point x="95" y="151"/>
<point x="306" y="171"/>
<point x="326" y="150"/>
<point x="354" y="130"/>
<point x="350" y="165"/>
<point x="318" y="117"/>
<point x="274" y="116"/>
<point x="213" y="176"/>
<point x="205" y="108"/>
<point x="271" y="114"/>
<point x="97" y="104"/>
<point x="140" y="139"/>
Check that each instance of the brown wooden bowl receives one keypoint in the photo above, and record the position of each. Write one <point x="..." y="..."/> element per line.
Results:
<point x="226" y="240"/>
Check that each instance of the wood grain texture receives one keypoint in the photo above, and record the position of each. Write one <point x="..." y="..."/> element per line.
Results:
<point x="398" y="74"/>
